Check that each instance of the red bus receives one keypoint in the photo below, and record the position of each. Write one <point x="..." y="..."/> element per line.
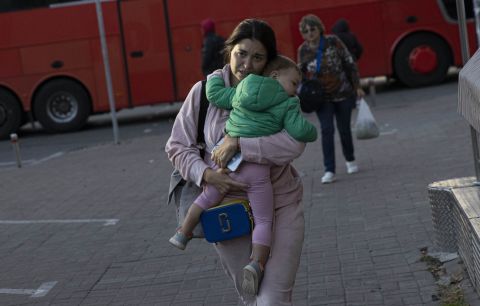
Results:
<point x="52" y="68"/>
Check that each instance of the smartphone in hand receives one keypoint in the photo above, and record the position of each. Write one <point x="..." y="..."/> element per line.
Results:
<point x="236" y="160"/>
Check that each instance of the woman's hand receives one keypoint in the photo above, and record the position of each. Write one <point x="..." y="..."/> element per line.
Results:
<point x="360" y="93"/>
<point x="223" y="153"/>
<point x="220" y="179"/>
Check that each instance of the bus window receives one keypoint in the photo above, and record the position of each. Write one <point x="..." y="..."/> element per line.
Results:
<point x="15" y="5"/>
<point x="450" y="8"/>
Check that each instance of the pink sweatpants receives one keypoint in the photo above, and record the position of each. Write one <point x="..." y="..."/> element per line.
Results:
<point x="281" y="269"/>
<point x="260" y="195"/>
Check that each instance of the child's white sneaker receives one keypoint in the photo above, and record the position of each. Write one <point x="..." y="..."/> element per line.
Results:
<point x="352" y="167"/>
<point x="180" y="240"/>
<point x="252" y="277"/>
<point x="328" y="177"/>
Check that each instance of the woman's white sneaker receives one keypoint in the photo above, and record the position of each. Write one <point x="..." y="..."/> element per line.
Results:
<point x="328" y="177"/>
<point x="352" y="167"/>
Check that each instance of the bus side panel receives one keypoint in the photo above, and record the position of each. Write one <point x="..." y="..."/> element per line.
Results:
<point x="452" y="36"/>
<point x="41" y="59"/>
<point x="187" y="43"/>
<point x="115" y="57"/>
<point x="66" y="35"/>
<point x="147" y="52"/>
<point x="187" y="38"/>
<point x="38" y="62"/>
<point x="11" y="63"/>
<point x="24" y="86"/>
<point x="284" y="17"/>
<point x="117" y="72"/>
<point x="284" y="34"/>
<point x="430" y="18"/>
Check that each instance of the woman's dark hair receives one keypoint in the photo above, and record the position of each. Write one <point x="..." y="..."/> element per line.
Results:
<point x="254" y="29"/>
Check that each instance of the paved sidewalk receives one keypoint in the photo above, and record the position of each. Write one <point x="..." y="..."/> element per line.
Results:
<point x="363" y="232"/>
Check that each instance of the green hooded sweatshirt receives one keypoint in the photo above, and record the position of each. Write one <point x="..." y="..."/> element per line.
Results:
<point x="260" y="107"/>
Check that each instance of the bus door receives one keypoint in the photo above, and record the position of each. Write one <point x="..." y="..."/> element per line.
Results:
<point x="146" y="52"/>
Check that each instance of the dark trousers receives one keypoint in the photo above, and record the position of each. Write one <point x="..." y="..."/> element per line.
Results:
<point x="342" y="111"/>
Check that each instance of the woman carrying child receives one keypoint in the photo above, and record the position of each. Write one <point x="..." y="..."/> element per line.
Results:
<point x="248" y="49"/>
<point x="260" y="106"/>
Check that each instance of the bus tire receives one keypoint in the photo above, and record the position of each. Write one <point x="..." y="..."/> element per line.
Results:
<point x="10" y="114"/>
<point x="62" y="105"/>
<point x="404" y="67"/>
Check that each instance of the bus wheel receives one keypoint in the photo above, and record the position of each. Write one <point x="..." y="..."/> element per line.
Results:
<point x="10" y="114"/>
<point x="422" y="59"/>
<point x="62" y="106"/>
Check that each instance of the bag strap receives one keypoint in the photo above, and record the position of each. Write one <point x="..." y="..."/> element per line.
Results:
<point x="201" y="119"/>
<point x="200" y="141"/>
<point x="320" y="53"/>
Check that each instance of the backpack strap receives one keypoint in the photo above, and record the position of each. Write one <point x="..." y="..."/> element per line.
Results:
<point x="201" y="119"/>
<point x="320" y="53"/>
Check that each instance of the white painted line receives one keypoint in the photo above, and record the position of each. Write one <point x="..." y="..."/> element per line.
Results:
<point x="32" y="161"/>
<point x="54" y="155"/>
<point x="8" y="164"/>
<point x="34" y="293"/>
<point x="43" y="289"/>
<point x="394" y="131"/>
<point x="18" y="291"/>
<point x="106" y="222"/>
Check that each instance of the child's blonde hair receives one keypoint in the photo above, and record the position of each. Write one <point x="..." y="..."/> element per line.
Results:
<point x="280" y="62"/>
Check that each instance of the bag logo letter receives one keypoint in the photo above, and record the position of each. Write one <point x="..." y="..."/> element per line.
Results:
<point x="224" y="222"/>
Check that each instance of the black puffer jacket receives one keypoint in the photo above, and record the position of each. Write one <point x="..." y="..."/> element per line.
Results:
<point x="212" y="53"/>
<point x="342" y="30"/>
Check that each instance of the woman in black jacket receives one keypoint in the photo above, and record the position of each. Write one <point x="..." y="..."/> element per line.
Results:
<point x="212" y="48"/>
<point x="342" y="30"/>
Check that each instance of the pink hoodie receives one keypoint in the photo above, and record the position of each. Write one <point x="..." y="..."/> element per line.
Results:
<point x="278" y="149"/>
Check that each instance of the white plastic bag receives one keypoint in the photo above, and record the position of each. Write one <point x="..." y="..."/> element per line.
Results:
<point x="365" y="126"/>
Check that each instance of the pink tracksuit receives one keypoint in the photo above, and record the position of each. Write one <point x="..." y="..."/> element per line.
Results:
<point x="277" y="151"/>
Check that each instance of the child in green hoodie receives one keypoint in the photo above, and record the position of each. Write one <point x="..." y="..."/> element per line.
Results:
<point x="260" y="106"/>
<point x="264" y="105"/>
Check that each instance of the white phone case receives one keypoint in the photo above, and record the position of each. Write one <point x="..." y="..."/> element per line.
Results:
<point x="236" y="160"/>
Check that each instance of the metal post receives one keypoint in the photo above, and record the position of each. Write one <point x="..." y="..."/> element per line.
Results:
<point x="476" y="11"/>
<point x="106" y="64"/>
<point x="16" y="149"/>
<point x="476" y="154"/>
<point x="473" y="132"/>
<point x="462" y="26"/>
